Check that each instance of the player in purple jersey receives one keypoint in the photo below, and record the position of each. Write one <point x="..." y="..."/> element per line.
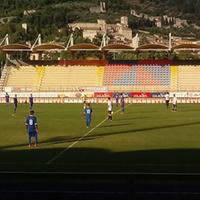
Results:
<point x="15" y="101"/>
<point x="32" y="128"/>
<point x="122" y="103"/>
<point x="7" y="97"/>
<point x="117" y="99"/>
<point x="31" y="102"/>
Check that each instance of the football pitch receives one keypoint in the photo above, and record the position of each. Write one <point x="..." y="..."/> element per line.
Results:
<point x="146" y="138"/>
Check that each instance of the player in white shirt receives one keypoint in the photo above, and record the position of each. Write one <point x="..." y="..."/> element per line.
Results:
<point x="167" y="99"/>
<point x="174" y="103"/>
<point x="110" y="112"/>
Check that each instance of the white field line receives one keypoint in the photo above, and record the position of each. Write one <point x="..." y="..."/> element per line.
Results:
<point x="79" y="139"/>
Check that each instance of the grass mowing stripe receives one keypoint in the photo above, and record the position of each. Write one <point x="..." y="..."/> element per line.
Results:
<point x="77" y="141"/>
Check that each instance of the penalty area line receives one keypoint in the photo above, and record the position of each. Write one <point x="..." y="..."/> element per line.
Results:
<point x="80" y="139"/>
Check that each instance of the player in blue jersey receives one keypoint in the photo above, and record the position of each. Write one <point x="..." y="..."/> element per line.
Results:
<point x="15" y="101"/>
<point x="88" y="115"/>
<point x="31" y="102"/>
<point x="122" y="103"/>
<point x="7" y="97"/>
<point x="32" y="128"/>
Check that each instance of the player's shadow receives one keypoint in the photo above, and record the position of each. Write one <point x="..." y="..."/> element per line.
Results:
<point x="64" y="139"/>
<point x="49" y="141"/>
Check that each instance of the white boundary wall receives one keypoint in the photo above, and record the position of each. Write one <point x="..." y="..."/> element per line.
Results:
<point x="99" y="100"/>
<point x="74" y="97"/>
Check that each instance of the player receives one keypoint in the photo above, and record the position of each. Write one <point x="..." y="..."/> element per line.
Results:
<point x="31" y="102"/>
<point x="110" y="112"/>
<point x="174" y="103"/>
<point x="84" y="107"/>
<point x="117" y="99"/>
<point x="122" y="103"/>
<point x="7" y="97"/>
<point x="85" y="98"/>
<point x="32" y="128"/>
<point x="15" y="101"/>
<point x="167" y="99"/>
<point x="88" y="115"/>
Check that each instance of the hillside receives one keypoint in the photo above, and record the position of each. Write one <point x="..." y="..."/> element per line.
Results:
<point x="49" y="16"/>
<point x="187" y="9"/>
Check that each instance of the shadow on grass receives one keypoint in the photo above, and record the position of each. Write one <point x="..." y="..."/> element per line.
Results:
<point x="131" y="118"/>
<point x="114" y="125"/>
<point x="190" y="110"/>
<point x="94" y="173"/>
<point x="150" y="128"/>
<point x="93" y="136"/>
<point x="101" y="160"/>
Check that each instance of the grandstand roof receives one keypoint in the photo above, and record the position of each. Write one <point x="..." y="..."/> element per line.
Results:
<point x="187" y="47"/>
<point x="119" y="47"/>
<point x="15" y="47"/>
<point x="83" y="47"/>
<point x="153" y="47"/>
<point x="49" y="47"/>
<point x="92" y="47"/>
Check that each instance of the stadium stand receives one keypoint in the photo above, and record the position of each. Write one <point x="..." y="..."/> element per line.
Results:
<point x="4" y="76"/>
<point x="174" y="78"/>
<point x="145" y="76"/>
<point x="100" y="74"/>
<point x="40" y="71"/>
<point x="188" y="78"/>
<point x="71" y="77"/>
<point x="23" y="78"/>
<point x="137" y="77"/>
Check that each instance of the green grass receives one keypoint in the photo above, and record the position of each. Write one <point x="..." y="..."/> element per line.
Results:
<point x="147" y="138"/>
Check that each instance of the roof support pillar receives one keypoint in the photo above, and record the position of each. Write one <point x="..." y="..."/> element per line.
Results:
<point x="135" y="42"/>
<point x="70" y="41"/>
<point x="5" y="40"/>
<point x="37" y="41"/>
<point x="170" y="41"/>
<point x="104" y="41"/>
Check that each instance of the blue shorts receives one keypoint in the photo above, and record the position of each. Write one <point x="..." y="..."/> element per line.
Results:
<point x="32" y="134"/>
